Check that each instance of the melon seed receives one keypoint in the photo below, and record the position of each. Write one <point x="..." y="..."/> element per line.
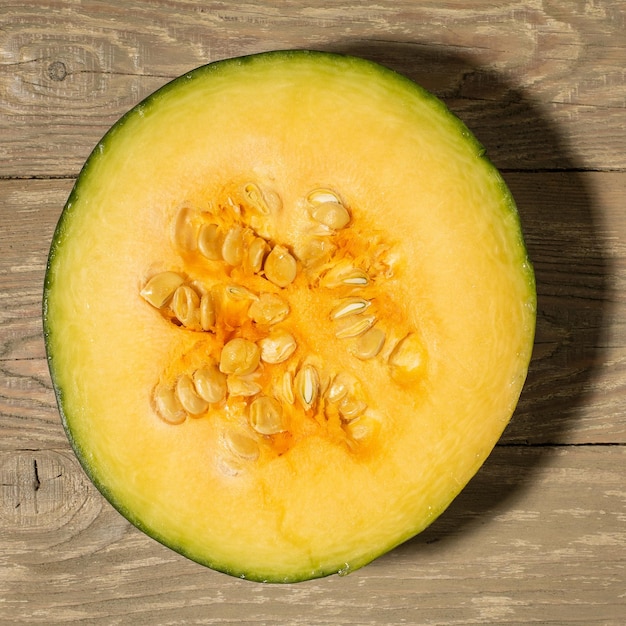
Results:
<point x="168" y="406"/>
<point x="364" y="428"/>
<point x="349" y="306"/>
<point x="345" y="274"/>
<point x="232" y="248"/>
<point x="256" y="254"/>
<point x="207" y="311"/>
<point x="369" y="344"/>
<point x="307" y="384"/>
<point x="283" y="388"/>
<point x="239" y="356"/>
<point x="331" y="214"/>
<point x="268" y="309"/>
<point x="185" y="230"/>
<point x="280" y="267"/>
<point x="210" y="383"/>
<point x="407" y="359"/>
<point x="277" y="347"/>
<point x="341" y="385"/>
<point x="255" y="197"/>
<point x="242" y="445"/>
<point x="350" y="408"/>
<point x="210" y="242"/>
<point x="266" y="416"/>
<point x="187" y="396"/>
<point x="238" y="292"/>
<point x="354" y="326"/>
<point x="186" y="306"/>
<point x="263" y="201"/>
<point x="242" y="386"/>
<point x="160" y="288"/>
<point x="319" y="196"/>
<point x="315" y="252"/>
<point x="356" y="277"/>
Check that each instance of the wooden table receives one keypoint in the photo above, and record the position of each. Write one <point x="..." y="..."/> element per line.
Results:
<point x="539" y="534"/>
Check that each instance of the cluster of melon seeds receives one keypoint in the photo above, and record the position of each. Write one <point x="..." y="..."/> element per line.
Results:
<point x="252" y="364"/>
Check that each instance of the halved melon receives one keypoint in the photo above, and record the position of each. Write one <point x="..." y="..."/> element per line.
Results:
<point x="288" y="313"/>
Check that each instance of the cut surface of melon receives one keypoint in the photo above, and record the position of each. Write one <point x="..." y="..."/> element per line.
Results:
<point x="288" y="313"/>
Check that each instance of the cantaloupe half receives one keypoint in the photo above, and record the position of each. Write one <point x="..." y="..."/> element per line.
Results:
<point x="288" y="313"/>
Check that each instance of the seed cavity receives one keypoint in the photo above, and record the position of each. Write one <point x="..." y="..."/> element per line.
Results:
<point x="266" y="416"/>
<point x="277" y="347"/>
<point x="354" y="325"/>
<point x="349" y="306"/>
<point x="160" y="288"/>
<point x="239" y="356"/>
<point x="369" y="344"/>
<point x="210" y="384"/>
<point x="307" y="386"/>
<point x="245" y="369"/>
<point x="188" y="398"/>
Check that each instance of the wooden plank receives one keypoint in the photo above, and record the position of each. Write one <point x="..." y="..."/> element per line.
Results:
<point x="29" y="419"/>
<point x="531" y="79"/>
<point x="518" y="546"/>
<point x="29" y="211"/>
<point x="575" y="230"/>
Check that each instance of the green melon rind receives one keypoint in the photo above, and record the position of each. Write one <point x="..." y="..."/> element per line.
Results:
<point x="344" y="62"/>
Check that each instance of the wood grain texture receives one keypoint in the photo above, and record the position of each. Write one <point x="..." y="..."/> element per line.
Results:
<point x="500" y="66"/>
<point x="539" y="534"/>
<point x="514" y="548"/>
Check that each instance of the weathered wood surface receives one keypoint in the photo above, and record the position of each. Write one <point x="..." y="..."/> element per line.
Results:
<point x="539" y="534"/>
<point x="541" y="75"/>
<point x="517" y="547"/>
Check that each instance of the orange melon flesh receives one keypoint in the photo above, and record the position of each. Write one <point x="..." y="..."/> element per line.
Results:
<point x="418" y="188"/>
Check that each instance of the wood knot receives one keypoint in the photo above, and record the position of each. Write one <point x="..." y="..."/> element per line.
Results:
<point x="57" y="71"/>
<point x="40" y="489"/>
